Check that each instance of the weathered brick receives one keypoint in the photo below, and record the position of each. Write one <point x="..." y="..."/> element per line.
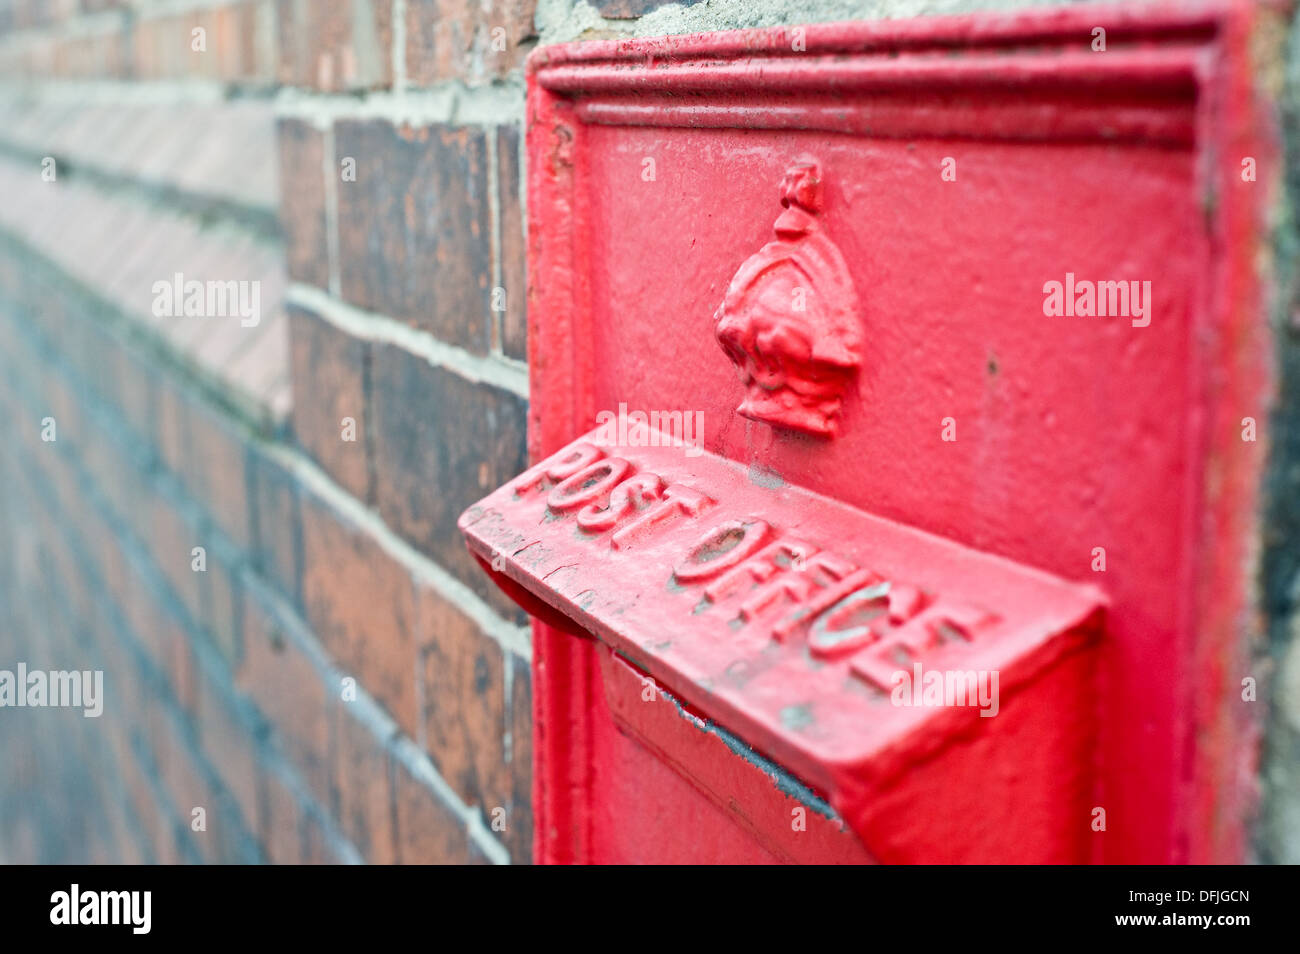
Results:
<point x="230" y="745"/>
<point x="182" y="668"/>
<point x="171" y="538"/>
<point x="440" y="443"/>
<point x="302" y="201"/>
<point x="96" y="55"/>
<point x="336" y="46"/>
<point x="128" y="848"/>
<point x="118" y="583"/>
<point x="76" y="600"/>
<point x="518" y="835"/>
<point x="461" y="39"/>
<point x="514" y="264"/>
<point x="328" y="367"/>
<point x="91" y="350"/>
<point x="223" y="611"/>
<point x="464" y="703"/>
<point x="117" y="472"/>
<point x="163" y="46"/>
<point x="233" y="36"/>
<point x="158" y="635"/>
<point x="287" y="689"/>
<point x="178" y="734"/>
<point x="414" y="229"/>
<point x="318" y="848"/>
<point x="173" y="432"/>
<point x="63" y="404"/>
<point x="138" y="393"/>
<point x="279" y="528"/>
<point x="359" y="602"/>
<point x="188" y="787"/>
<point x="366" y="809"/>
<point x="281" y="829"/>
<point x="216" y="471"/>
<point x="140" y="797"/>
<point x="428" y="833"/>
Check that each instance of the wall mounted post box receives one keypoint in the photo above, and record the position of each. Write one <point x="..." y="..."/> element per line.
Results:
<point x="890" y="499"/>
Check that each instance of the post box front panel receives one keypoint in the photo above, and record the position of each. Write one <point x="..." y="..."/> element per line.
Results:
<point x="957" y="184"/>
<point x="1071" y="432"/>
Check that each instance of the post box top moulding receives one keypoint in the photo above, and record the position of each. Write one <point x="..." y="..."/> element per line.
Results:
<point x="577" y="66"/>
<point x="642" y="81"/>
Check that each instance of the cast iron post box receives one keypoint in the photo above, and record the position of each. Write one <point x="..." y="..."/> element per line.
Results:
<point x="890" y="499"/>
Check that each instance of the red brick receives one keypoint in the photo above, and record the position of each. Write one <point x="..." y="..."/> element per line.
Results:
<point x="279" y="528"/>
<point x="182" y="668"/>
<point x="171" y="539"/>
<point x="359" y="602"/>
<point x="162" y="48"/>
<point x="281" y="829"/>
<point x="414" y="228"/>
<point x="58" y="401"/>
<point x="428" y="832"/>
<point x="222" y="611"/>
<point x="102" y="537"/>
<point x="145" y="49"/>
<point x="518" y="835"/>
<point x="321" y="45"/>
<point x="286" y="688"/>
<point x="318" y="848"/>
<point x="91" y="350"/>
<point x="231" y="748"/>
<point x="127" y="848"/>
<point x="455" y="39"/>
<point x="163" y="838"/>
<point x="231" y="37"/>
<point x="138" y="395"/>
<point x="144" y="619"/>
<point x="66" y="565"/>
<point x="328" y="369"/>
<point x="141" y="799"/>
<point x="302" y="202"/>
<point x="101" y="54"/>
<point x="440" y="443"/>
<point x="464" y="703"/>
<point x="122" y="678"/>
<point x="366" y="810"/>
<point x="116" y="473"/>
<point x="215" y="470"/>
<point x="187" y="788"/>
<point x="172" y="425"/>
<point x="514" y="266"/>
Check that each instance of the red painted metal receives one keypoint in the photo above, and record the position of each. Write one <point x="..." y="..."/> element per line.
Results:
<point x="848" y="649"/>
<point x="1071" y="433"/>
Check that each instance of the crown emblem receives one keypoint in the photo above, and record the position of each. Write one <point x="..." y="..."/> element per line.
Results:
<point x="790" y="321"/>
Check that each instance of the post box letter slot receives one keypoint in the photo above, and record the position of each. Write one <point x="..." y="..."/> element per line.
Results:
<point x="882" y="666"/>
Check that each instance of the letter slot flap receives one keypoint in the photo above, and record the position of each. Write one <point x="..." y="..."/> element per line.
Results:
<point x="879" y="664"/>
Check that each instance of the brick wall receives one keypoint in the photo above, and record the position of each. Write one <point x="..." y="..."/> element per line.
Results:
<point x="329" y="678"/>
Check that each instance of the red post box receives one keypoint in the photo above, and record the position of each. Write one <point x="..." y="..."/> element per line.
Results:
<point x="891" y="500"/>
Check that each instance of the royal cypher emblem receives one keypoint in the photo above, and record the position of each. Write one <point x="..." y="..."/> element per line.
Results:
<point x="790" y="320"/>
